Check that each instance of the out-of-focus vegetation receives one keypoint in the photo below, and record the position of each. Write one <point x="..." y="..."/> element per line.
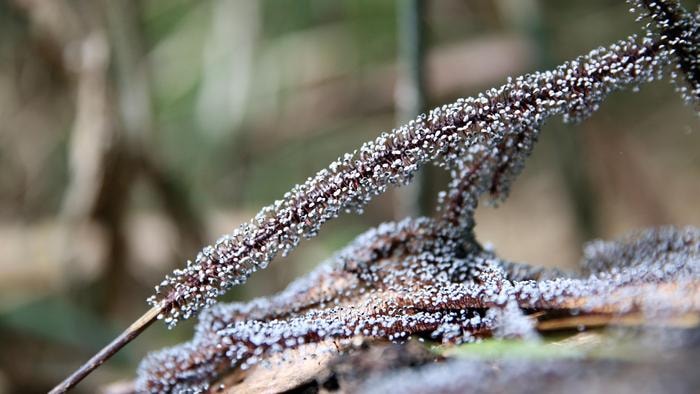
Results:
<point x="134" y="132"/>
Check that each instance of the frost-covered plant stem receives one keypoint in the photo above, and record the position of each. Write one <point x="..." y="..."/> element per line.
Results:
<point x="448" y="136"/>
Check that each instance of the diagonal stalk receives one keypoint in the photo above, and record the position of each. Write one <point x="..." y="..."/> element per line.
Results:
<point x="108" y="351"/>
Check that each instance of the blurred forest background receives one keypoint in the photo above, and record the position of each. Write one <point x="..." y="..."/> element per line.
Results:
<point x="132" y="133"/>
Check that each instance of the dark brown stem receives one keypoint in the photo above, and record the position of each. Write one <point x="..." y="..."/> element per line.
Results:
<point x="108" y="351"/>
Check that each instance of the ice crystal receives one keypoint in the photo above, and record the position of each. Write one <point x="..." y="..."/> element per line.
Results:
<point x="429" y="277"/>
<point x="679" y="30"/>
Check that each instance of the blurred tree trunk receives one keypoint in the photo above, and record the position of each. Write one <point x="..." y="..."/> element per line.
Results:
<point x="410" y="95"/>
<point x="113" y="133"/>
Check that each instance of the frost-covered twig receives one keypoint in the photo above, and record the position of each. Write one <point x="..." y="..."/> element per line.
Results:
<point x="449" y="136"/>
